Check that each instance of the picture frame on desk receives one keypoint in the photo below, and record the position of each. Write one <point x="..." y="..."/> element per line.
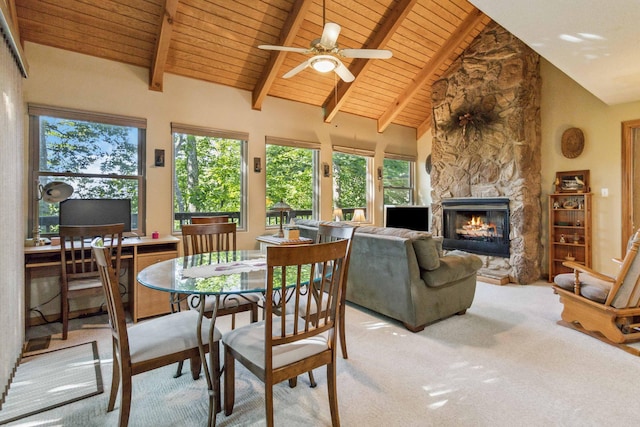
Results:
<point x="572" y="181"/>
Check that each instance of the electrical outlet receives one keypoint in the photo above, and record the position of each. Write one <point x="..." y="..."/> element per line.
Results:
<point x="604" y="192"/>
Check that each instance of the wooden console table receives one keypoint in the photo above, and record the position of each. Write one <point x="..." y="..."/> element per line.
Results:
<point x="137" y="253"/>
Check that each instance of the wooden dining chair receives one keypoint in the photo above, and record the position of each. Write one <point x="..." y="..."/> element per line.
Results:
<point x="214" y="237"/>
<point x="150" y="344"/>
<point x="79" y="273"/>
<point x="285" y="344"/>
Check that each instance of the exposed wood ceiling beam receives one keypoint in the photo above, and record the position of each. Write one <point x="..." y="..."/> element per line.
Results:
<point x="423" y="127"/>
<point x="276" y="58"/>
<point x="464" y="29"/>
<point x="358" y="68"/>
<point x="162" y="45"/>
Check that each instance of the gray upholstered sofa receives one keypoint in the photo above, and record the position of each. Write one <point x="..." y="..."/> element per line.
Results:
<point x="404" y="275"/>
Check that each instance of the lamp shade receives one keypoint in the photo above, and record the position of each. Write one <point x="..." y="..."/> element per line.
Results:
<point x="56" y="191"/>
<point x="358" y="215"/>
<point x="280" y="206"/>
<point x="337" y="214"/>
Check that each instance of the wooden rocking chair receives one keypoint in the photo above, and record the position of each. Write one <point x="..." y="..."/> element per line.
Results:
<point x="594" y="302"/>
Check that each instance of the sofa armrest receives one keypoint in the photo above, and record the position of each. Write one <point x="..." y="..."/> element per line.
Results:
<point x="454" y="266"/>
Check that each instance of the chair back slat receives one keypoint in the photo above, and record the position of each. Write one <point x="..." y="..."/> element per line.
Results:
<point x="209" y="219"/>
<point x="212" y="237"/>
<point x="303" y="265"/>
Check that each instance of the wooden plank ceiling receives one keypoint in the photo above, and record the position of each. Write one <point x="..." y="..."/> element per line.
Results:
<point x="216" y="41"/>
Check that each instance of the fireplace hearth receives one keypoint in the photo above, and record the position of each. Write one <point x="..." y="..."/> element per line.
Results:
<point x="476" y="225"/>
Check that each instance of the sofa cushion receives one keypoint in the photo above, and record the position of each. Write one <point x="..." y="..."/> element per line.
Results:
<point x="454" y="266"/>
<point x="427" y="253"/>
<point x="424" y="245"/>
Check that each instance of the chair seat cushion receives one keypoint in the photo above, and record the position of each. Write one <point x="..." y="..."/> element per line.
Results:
<point x="590" y="287"/>
<point x="249" y="341"/>
<point x="166" y="335"/>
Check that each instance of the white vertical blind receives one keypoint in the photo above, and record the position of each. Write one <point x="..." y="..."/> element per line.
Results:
<point x="12" y="213"/>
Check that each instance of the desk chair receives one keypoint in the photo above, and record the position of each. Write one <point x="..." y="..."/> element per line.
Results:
<point x="79" y="273"/>
<point x="149" y="344"/>
<point x="285" y="345"/>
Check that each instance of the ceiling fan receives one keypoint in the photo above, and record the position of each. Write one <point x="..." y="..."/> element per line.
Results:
<point x="327" y="54"/>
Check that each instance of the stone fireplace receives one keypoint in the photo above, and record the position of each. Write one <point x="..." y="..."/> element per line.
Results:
<point x="486" y="145"/>
<point x="479" y="226"/>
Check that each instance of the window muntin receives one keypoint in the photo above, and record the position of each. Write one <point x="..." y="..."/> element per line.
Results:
<point x="209" y="174"/>
<point x="99" y="155"/>
<point x="291" y="176"/>
<point x="398" y="182"/>
<point x="350" y="173"/>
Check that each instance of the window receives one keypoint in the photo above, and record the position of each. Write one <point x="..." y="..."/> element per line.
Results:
<point x="350" y="183"/>
<point x="292" y="176"/>
<point x="398" y="181"/>
<point x="99" y="155"/>
<point x="209" y="174"/>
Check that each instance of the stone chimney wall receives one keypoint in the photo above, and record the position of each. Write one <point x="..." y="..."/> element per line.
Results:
<point x="486" y="142"/>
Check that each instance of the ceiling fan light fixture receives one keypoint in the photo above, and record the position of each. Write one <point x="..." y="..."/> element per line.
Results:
<point x="324" y="64"/>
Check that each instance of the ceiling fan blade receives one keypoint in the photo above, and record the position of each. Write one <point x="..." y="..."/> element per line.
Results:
<point x="366" y="53"/>
<point x="330" y="35"/>
<point x="284" y="48"/>
<point x="343" y="72"/>
<point x="296" y="70"/>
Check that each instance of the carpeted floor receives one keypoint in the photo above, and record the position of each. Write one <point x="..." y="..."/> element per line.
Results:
<point x="504" y="363"/>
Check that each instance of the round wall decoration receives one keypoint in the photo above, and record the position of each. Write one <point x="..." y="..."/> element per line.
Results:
<point x="427" y="164"/>
<point x="572" y="143"/>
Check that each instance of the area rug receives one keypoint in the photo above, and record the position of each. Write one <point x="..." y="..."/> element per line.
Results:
<point x="47" y="380"/>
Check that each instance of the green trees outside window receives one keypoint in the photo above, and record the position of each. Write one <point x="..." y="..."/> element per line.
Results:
<point x="349" y="182"/>
<point x="100" y="160"/>
<point x="290" y="173"/>
<point x="209" y="178"/>
<point x="398" y="182"/>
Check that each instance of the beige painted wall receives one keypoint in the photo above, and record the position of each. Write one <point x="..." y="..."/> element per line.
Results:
<point x="565" y="104"/>
<point x="77" y="81"/>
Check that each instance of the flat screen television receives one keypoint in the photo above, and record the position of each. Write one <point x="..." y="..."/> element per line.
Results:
<point x="96" y="212"/>
<point x="411" y="217"/>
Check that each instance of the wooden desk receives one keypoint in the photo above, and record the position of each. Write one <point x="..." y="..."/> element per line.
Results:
<point x="137" y="253"/>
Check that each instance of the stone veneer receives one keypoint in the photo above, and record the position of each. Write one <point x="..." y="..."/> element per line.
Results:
<point x="486" y="142"/>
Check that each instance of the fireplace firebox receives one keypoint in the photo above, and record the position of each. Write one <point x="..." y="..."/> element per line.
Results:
<point x="476" y="225"/>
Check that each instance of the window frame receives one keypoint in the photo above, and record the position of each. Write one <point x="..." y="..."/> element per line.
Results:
<point x="368" y="155"/>
<point x="298" y="144"/>
<point x="412" y="183"/>
<point x="243" y="137"/>
<point x="35" y="113"/>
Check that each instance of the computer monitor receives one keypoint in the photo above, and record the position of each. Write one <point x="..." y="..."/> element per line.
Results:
<point x="96" y="212"/>
<point x="410" y="217"/>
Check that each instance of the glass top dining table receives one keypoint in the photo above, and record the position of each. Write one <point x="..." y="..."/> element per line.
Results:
<point x="215" y="273"/>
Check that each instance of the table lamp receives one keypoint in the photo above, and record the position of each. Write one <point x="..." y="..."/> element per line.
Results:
<point x="53" y="192"/>
<point x="337" y="214"/>
<point x="281" y="206"/>
<point x="358" y="216"/>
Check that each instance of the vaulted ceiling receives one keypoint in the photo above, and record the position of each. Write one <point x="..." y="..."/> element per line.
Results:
<point x="216" y="41"/>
